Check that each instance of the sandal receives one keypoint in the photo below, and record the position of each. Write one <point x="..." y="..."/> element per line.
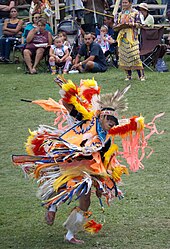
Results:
<point x="33" y="71"/>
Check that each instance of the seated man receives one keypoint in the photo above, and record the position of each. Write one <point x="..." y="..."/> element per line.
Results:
<point x="94" y="59"/>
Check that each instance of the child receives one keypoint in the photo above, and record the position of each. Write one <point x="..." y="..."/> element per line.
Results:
<point x="59" y="55"/>
<point x="104" y="40"/>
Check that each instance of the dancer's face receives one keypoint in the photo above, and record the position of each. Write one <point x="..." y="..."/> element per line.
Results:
<point x="107" y="122"/>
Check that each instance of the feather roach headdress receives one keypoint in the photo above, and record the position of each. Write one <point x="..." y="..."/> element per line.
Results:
<point x="114" y="102"/>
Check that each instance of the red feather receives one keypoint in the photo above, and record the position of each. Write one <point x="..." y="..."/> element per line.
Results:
<point x="88" y="93"/>
<point x="121" y="130"/>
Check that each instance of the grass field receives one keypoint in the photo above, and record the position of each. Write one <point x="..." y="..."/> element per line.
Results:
<point x="140" y="221"/>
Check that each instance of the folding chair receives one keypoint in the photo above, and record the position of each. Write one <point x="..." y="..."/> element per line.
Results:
<point x="42" y="67"/>
<point x="149" y="45"/>
<point x="16" y="47"/>
<point x="112" y="56"/>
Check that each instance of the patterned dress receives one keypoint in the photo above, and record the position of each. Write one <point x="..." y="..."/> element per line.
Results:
<point x="128" y="43"/>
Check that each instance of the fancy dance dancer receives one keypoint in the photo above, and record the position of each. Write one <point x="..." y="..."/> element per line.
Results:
<point x="79" y="154"/>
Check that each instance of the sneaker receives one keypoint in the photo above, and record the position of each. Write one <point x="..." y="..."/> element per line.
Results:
<point x="73" y="71"/>
<point x="128" y="78"/>
<point x="50" y="217"/>
<point x="142" y="78"/>
<point x="2" y="59"/>
<point x="6" y="60"/>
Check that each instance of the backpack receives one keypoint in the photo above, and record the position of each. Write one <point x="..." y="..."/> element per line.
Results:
<point x="161" y="66"/>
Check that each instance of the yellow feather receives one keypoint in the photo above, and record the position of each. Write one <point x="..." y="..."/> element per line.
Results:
<point x="89" y="83"/>
<point x="62" y="180"/>
<point x="113" y="148"/>
<point x="140" y="123"/>
<point x="66" y="87"/>
<point x="117" y="171"/>
<point x="28" y="144"/>
<point x="87" y="115"/>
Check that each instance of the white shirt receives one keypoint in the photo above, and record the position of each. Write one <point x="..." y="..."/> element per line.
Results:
<point x="59" y="51"/>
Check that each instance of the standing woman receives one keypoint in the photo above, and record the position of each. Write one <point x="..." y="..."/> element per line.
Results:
<point x="11" y="29"/>
<point x="127" y="23"/>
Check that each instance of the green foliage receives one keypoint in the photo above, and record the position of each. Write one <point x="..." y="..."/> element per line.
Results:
<point x="140" y="220"/>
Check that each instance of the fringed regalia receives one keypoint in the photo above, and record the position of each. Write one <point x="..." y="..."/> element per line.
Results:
<point x="128" y="43"/>
<point x="77" y="155"/>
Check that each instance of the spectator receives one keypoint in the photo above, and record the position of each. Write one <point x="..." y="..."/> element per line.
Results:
<point x="59" y="55"/>
<point x="63" y="36"/>
<point x="33" y="25"/>
<point x="37" y="6"/>
<point x="109" y="22"/>
<point x="94" y="60"/>
<point x="38" y="40"/>
<point x="153" y="11"/>
<point x="5" y="6"/>
<point x="11" y="28"/>
<point x="89" y="15"/>
<point x="42" y="7"/>
<point x="77" y="9"/>
<point x="127" y="22"/>
<point x="104" y="40"/>
<point x="146" y="18"/>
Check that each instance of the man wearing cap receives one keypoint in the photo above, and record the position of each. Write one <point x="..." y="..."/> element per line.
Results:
<point x="146" y="18"/>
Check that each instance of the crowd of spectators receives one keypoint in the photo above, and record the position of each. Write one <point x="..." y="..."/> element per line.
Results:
<point x="98" y="36"/>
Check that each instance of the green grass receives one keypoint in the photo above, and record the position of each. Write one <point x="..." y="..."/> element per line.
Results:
<point x="140" y="221"/>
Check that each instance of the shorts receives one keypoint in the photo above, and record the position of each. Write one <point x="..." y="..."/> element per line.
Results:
<point x="97" y="68"/>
